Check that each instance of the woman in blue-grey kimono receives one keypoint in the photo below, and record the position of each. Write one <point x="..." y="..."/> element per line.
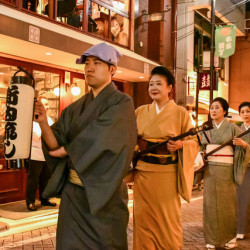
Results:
<point x="243" y="191"/>
<point x="225" y="170"/>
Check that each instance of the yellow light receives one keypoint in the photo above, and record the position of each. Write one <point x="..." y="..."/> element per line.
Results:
<point x="141" y="77"/>
<point x="56" y="91"/>
<point x="75" y="91"/>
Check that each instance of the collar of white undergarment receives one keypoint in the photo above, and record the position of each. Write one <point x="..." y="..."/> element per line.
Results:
<point x="246" y="126"/>
<point x="158" y="111"/>
<point x="218" y="126"/>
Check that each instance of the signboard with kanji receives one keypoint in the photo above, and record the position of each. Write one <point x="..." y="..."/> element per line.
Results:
<point x="225" y="40"/>
<point x="204" y="83"/>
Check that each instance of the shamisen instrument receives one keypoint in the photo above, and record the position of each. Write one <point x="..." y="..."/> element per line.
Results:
<point x="193" y="131"/>
<point x="224" y="145"/>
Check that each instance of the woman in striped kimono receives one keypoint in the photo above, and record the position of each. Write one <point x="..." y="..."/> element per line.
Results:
<point x="225" y="170"/>
<point x="243" y="191"/>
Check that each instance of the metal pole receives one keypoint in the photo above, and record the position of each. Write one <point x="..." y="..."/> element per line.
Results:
<point x="197" y="97"/>
<point x="174" y="39"/>
<point x="200" y="51"/>
<point x="212" y="49"/>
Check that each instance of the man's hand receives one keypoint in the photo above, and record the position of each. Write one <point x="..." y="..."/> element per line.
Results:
<point x="60" y="152"/>
<point x="174" y="145"/>
<point x="40" y="112"/>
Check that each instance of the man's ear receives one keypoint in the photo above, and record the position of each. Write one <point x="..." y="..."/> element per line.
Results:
<point x="112" y="69"/>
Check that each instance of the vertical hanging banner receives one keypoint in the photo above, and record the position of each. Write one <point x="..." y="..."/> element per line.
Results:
<point x="225" y="40"/>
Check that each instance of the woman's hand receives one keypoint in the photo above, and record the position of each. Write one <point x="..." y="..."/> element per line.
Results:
<point x="239" y="142"/>
<point x="59" y="153"/>
<point x="174" y="145"/>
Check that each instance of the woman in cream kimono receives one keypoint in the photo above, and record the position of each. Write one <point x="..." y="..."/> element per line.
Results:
<point x="225" y="170"/>
<point x="243" y="191"/>
<point x="161" y="177"/>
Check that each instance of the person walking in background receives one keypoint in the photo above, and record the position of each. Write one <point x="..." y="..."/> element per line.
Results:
<point x="225" y="169"/>
<point x="243" y="191"/>
<point x="38" y="171"/>
<point x="89" y="150"/>
<point x="162" y="176"/>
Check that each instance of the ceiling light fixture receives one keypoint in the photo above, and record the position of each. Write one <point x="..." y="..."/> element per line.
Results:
<point x="48" y="53"/>
<point x="141" y="77"/>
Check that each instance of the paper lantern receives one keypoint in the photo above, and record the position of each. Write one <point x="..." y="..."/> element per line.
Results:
<point x="19" y="118"/>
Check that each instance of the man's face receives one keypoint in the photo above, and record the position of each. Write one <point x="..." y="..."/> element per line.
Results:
<point x="97" y="72"/>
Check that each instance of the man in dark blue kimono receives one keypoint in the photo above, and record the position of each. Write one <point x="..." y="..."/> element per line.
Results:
<point x="89" y="151"/>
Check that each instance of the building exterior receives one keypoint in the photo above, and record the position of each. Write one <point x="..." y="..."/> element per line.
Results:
<point x="45" y="37"/>
<point x="193" y="40"/>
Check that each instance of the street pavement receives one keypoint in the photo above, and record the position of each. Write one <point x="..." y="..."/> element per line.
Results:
<point x="191" y="215"/>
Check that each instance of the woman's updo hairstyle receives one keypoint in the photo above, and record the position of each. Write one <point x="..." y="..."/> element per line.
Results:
<point x="163" y="71"/>
<point x="223" y="103"/>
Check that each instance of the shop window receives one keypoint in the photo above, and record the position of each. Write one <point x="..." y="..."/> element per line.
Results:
<point x="37" y="6"/>
<point x="98" y="19"/>
<point x="11" y="2"/>
<point x="119" y="29"/>
<point x="70" y="12"/>
<point x="122" y="5"/>
<point x="47" y="85"/>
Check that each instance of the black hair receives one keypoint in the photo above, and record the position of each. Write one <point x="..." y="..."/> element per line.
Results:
<point x="243" y="104"/>
<point x="163" y="71"/>
<point x="223" y="103"/>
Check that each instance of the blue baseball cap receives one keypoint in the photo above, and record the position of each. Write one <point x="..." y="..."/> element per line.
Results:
<point x="103" y="51"/>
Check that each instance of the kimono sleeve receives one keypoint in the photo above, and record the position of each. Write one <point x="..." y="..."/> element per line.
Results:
<point x="241" y="160"/>
<point x="186" y="160"/>
<point x="57" y="166"/>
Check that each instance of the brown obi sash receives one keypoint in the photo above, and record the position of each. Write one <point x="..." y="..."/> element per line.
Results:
<point x="159" y="155"/>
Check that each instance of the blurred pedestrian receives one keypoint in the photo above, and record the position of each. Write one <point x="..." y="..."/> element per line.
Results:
<point x="38" y="172"/>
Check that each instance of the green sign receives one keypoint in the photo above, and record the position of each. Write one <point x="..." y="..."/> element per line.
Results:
<point x="225" y="40"/>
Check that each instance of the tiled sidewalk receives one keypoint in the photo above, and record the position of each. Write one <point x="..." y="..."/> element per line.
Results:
<point x="44" y="239"/>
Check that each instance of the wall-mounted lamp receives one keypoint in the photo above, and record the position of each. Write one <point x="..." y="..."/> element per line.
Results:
<point x="75" y="90"/>
<point x="56" y="91"/>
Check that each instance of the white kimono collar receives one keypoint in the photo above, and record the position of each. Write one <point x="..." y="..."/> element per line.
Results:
<point x="218" y="126"/>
